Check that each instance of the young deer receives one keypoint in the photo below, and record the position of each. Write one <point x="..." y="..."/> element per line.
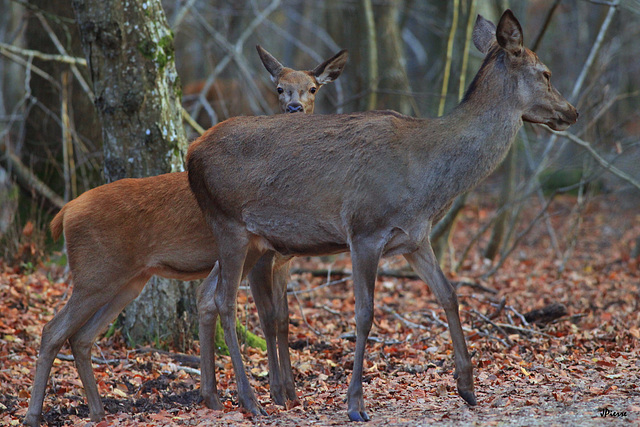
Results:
<point x="120" y="234"/>
<point x="371" y="183"/>
<point x="296" y="89"/>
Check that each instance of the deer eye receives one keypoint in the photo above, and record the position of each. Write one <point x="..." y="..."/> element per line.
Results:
<point x="547" y="76"/>
<point x="313" y="89"/>
<point x="280" y="90"/>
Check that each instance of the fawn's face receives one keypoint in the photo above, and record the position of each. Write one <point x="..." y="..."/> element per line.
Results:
<point x="296" y="91"/>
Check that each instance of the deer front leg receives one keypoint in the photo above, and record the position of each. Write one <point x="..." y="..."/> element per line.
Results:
<point x="261" y="282"/>
<point x="424" y="262"/>
<point x="234" y="259"/>
<point x="365" y="255"/>
<point x="207" y="319"/>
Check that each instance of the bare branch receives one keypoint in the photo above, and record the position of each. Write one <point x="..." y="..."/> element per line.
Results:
<point x="608" y="166"/>
<point x="43" y="56"/>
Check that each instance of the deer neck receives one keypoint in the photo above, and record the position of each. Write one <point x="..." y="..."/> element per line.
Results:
<point x="466" y="145"/>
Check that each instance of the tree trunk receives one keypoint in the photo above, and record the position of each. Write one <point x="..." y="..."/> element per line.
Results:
<point x="395" y="91"/>
<point x="129" y="49"/>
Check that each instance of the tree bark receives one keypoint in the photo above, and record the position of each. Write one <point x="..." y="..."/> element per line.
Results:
<point x="394" y="83"/>
<point x="129" y="49"/>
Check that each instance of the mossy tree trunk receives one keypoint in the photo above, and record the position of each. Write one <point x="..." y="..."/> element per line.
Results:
<point x="129" y="49"/>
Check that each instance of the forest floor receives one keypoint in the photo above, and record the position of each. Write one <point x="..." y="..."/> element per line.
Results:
<point x="581" y="369"/>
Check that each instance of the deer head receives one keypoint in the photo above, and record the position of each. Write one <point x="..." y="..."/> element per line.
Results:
<point x="297" y="89"/>
<point x="528" y="79"/>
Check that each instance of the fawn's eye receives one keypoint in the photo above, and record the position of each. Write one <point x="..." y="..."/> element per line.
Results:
<point x="547" y="76"/>
<point x="280" y="90"/>
<point x="313" y="89"/>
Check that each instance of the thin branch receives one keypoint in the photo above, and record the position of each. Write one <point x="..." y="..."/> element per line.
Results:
<point x="608" y="166"/>
<point x="545" y="25"/>
<point x="61" y="49"/>
<point x="449" y="57"/>
<point x="187" y="117"/>
<point x="408" y="323"/>
<point x="43" y="56"/>
<point x="30" y="181"/>
<point x="495" y="325"/>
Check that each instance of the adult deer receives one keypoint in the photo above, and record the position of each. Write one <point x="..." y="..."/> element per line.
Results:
<point x="371" y="183"/>
<point x="120" y="234"/>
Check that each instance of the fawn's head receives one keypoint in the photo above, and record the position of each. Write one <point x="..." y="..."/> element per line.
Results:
<point x="297" y="89"/>
<point x="510" y="65"/>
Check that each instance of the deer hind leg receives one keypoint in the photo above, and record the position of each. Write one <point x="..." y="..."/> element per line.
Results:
<point x="424" y="262"/>
<point x="234" y="259"/>
<point x="82" y="305"/>
<point x="208" y="317"/>
<point x="365" y="254"/>
<point x="280" y="303"/>
<point x="82" y="341"/>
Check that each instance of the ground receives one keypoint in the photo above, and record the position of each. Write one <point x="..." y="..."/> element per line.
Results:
<point x="581" y="369"/>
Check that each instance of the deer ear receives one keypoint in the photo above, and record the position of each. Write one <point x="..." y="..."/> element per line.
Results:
<point x="270" y="63"/>
<point x="484" y="34"/>
<point x="331" y="69"/>
<point x="509" y="33"/>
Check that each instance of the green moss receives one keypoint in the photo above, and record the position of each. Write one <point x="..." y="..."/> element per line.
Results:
<point x="247" y="336"/>
<point x="161" y="53"/>
<point x="147" y="48"/>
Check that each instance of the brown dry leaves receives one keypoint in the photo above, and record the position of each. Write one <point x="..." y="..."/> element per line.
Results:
<point x="563" y="373"/>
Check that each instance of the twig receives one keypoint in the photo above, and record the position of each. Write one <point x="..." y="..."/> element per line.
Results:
<point x="472" y="285"/>
<point x="97" y="360"/>
<point x="608" y="166"/>
<point x="43" y="56"/>
<point x="524" y="330"/>
<point x="61" y="49"/>
<point x="495" y="325"/>
<point x="222" y="64"/>
<point x="351" y="336"/>
<point x="304" y="318"/>
<point x="408" y="323"/>
<point x="499" y="308"/>
<point x="324" y="285"/>
<point x="187" y="117"/>
<point x="449" y="56"/>
<point x="545" y="25"/>
<point x="29" y="66"/>
<point x="30" y="181"/>
<point x="331" y="310"/>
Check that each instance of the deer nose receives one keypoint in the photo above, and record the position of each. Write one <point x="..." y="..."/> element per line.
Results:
<point x="295" y="107"/>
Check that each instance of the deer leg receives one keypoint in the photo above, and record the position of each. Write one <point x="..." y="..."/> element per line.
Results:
<point x="82" y="341"/>
<point x="207" y="318"/>
<point x="364" y="257"/>
<point x="261" y="282"/>
<point x="80" y="307"/>
<point x="424" y="262"/>
<point x="233" y="257"/>
<point x="280" y="279"/>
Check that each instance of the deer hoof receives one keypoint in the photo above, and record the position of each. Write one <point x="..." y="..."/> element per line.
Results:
<point x="213" y="402"/>
<point x="468" y="396"/>
<point x="31" y="420"/>
<point x="358" y="416"/>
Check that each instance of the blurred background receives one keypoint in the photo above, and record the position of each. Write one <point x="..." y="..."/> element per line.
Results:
<point x="415" y="57"/>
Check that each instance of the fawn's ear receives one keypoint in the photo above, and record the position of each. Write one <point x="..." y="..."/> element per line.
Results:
<point x="270" y="63"/>
<point x="484" y="34"/>
<point x="509" y="33"/>
<point x="331" y="69"/>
